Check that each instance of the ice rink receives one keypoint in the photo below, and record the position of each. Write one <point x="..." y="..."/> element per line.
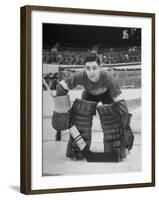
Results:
<point x="56" y="163"/>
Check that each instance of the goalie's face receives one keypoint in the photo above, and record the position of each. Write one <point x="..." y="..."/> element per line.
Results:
<point x="92" y="70"/>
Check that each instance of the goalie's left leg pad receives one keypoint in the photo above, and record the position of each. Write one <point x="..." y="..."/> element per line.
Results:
<point x="82" y="116"/>
<point x="110" y="123"/>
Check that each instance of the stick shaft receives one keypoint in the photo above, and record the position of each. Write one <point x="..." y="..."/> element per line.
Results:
<point x="47" y="87"/>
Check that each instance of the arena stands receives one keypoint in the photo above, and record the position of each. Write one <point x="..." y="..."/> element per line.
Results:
<point x="74" y="56"/>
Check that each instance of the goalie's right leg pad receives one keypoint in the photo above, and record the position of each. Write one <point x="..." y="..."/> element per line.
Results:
<point x="82" y="116"/>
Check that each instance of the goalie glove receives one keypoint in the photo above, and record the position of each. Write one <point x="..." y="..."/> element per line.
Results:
<point x="60" y="90"/>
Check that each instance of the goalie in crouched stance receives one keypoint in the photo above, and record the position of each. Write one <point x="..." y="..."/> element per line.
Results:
<point x="99" y="86"/>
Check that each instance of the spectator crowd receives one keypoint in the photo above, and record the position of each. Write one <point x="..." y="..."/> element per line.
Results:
<point x="109" y="55"/>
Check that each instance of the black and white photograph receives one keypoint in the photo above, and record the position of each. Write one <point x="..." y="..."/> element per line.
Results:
<point x="91" y="99"/>
<point x="87" y="117"/>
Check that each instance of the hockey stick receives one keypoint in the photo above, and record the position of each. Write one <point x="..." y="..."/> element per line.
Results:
<point x="48" y="89"/>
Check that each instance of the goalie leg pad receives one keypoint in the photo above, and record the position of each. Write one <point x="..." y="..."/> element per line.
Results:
<point x="82" y="116"/>
<point x="110" y="124"/>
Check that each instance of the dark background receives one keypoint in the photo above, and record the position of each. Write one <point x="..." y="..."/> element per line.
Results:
<point x="81" y="35"/>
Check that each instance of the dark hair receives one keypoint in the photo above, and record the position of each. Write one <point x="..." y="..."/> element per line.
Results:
<point x="91" y="58"/>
